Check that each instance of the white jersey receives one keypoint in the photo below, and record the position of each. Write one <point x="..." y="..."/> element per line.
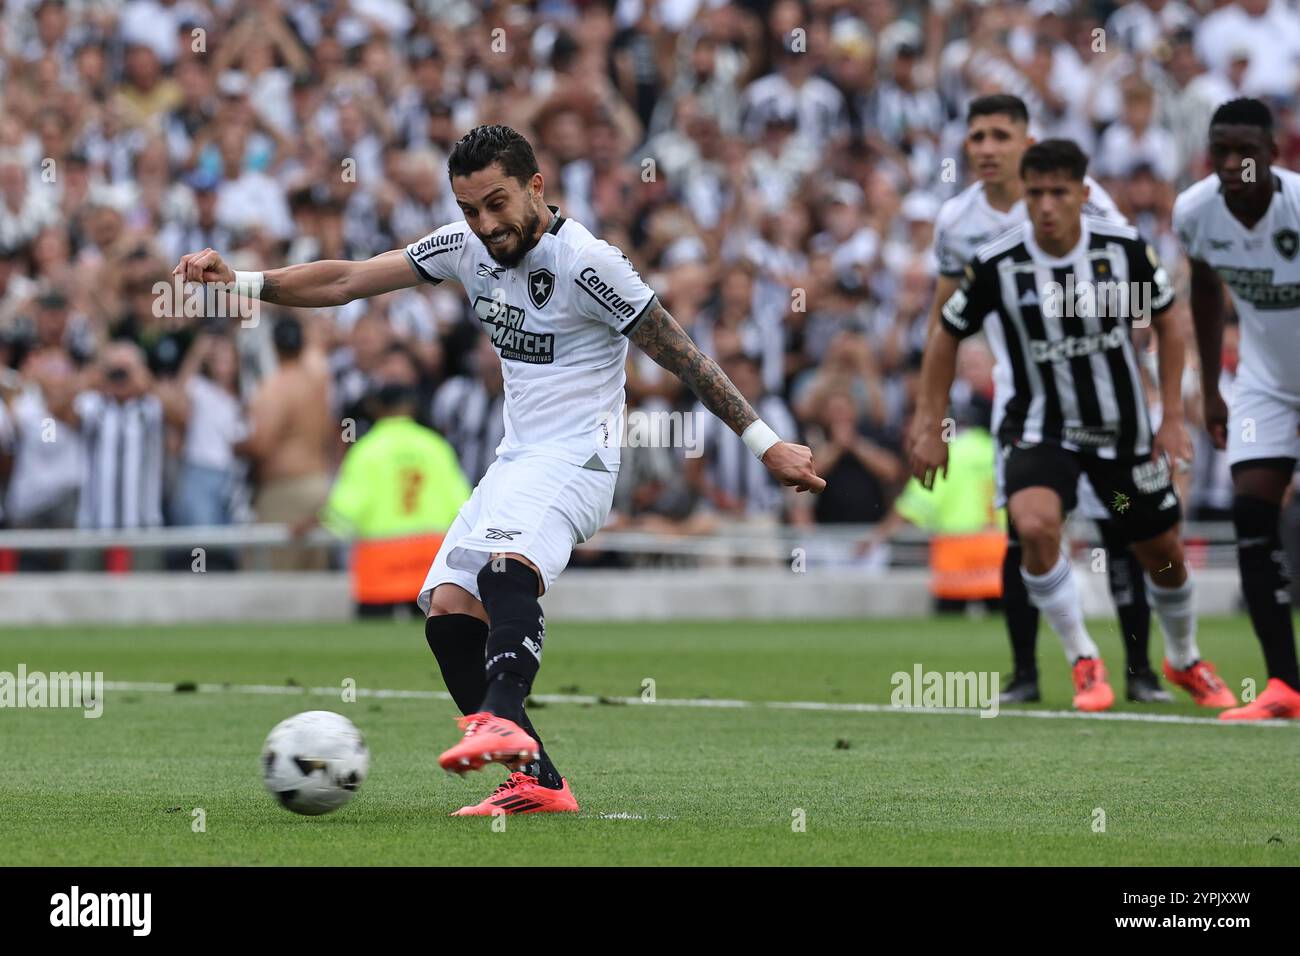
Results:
<point x="1261" y="268"/>
<point x="560" y="321"/>
<point x="967" y="221"/>
<point x="964" y="224"/>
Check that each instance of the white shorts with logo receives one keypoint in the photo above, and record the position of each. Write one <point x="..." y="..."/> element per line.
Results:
<point x="532" y="505"/>
<point x="1262" y="424"/>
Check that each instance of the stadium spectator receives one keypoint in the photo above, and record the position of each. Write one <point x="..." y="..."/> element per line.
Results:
<point x="290" y="442"/>
<point x="1135" y="141"/>
<point x="207" y="391"/>
<point x="47" y="463"/>
<point x="121" y="421"/>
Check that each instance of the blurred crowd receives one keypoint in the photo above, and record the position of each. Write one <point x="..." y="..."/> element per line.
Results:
<point x="773" y="169"/>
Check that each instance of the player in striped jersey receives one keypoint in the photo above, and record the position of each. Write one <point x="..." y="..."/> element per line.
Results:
<point x="1240" y="226"/>
<point x="1067" y="288"/>
<point x="997" y="136"/>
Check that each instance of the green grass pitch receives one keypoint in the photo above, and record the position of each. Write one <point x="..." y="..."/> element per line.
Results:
<point x="658" y="783"/>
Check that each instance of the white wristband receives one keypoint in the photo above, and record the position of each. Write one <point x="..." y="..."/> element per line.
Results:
<point x="249" y="284"/>
<point x="758" y="438"/>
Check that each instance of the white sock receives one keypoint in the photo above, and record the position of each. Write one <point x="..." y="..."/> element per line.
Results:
<point x="1056" y="596"/>
<point x="1176" y="609"/>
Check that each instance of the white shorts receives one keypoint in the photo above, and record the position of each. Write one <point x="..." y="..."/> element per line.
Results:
<point x="536" y="506"/>
<point x="1261" y="425"/>
<point x="1089" y="505"/>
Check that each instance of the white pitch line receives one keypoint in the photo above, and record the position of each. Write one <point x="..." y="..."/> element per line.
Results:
<point x="701" y="702"/>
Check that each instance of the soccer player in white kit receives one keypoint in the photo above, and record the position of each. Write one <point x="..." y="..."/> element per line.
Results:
<point x="997" y="136"/>
<point x="560" y="306"/>
<point x="1240" y="227"/>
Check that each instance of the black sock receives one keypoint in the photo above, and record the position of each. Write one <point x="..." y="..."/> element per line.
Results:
<point x="505" y="696"/>
<point x="542" y="768"/>
<point x="1021" y="615"/>
<point x="1266" y="584"/>
<point x="1128" y="589"/>
<point x="508" y="589"/>
<point x="459" y="642"/>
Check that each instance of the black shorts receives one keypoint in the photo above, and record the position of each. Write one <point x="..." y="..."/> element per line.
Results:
<point x="1137" y="492"/>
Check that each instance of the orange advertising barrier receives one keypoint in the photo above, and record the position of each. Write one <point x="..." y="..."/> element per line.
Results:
<point x="967" y="567"/>
<point x="391" y="570"/>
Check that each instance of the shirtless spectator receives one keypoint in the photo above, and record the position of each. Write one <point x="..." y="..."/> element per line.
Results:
<point x="291" y="438"/>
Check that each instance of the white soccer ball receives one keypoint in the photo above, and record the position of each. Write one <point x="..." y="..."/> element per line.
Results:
<point x="314" y="762"/>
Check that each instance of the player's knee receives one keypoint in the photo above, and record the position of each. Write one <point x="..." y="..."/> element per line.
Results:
<point x="450" y="600"/>
<point x="1038" y="529"/>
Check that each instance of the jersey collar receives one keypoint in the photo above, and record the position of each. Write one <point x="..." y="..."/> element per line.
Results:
<point x="556" y="222"/>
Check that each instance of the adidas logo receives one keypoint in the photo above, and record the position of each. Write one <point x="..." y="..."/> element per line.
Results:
<point x="1028" y="297"/>
<point x="1169" y="501"/>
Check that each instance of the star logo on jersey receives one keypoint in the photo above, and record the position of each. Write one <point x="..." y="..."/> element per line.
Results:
<point x="489" y="272"/>
<point x="541" y="283"/>
<point x="1286" y="242"/>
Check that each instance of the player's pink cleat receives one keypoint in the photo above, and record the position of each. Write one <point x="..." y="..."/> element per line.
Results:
<point x="523" y="794"/>
<point x="1278" y="702"/>
<point x="1203" y="683"/>
<point x="489" y="739"/>
<point x="1091" y="690"/>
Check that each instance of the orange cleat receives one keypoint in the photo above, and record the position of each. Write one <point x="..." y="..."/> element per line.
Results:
<point x="1201" y="681"/>
<point x="1278" y="702"/>
<point x="489" y="739"/>
<point x="523" y="794"/>
<point x="1091" y="692"/>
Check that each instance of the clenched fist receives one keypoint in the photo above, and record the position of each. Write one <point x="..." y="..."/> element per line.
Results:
<point x="205" y="266"/>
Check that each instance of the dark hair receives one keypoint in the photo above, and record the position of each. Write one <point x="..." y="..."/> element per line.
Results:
<point x="996" y="104"/>
<point x="287" y="337"/>
<point x="1055" y="155"/>
<point x="484" y="145"/>
<point x="1244" y="112"/>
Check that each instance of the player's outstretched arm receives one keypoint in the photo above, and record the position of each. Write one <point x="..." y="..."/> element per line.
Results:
<point x="1207" y="320"/>
<point x="320" y="284"/>
<point x="665" y="341"/>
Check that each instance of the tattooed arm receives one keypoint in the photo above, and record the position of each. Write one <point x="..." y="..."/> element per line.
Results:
<point x="311" y="284"/>
<point x="659" y="335"/>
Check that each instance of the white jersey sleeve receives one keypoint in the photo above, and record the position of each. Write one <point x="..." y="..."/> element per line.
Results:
<point x="1100" y="204"/>
<point x="610" y="290"/>
<point x="946" y="252"/>
<point x="437" y="255"/>
<point x="1189" y="209"/>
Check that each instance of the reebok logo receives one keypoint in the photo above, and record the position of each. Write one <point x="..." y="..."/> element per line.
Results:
<point x="496" y="534"/>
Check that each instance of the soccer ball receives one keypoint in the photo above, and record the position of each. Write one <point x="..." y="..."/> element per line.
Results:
<point x="314" y="762"/>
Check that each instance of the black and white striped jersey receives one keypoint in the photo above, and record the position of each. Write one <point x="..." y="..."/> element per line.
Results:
<point x="123" y="483"/>
<point x="1066" y="322"/>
